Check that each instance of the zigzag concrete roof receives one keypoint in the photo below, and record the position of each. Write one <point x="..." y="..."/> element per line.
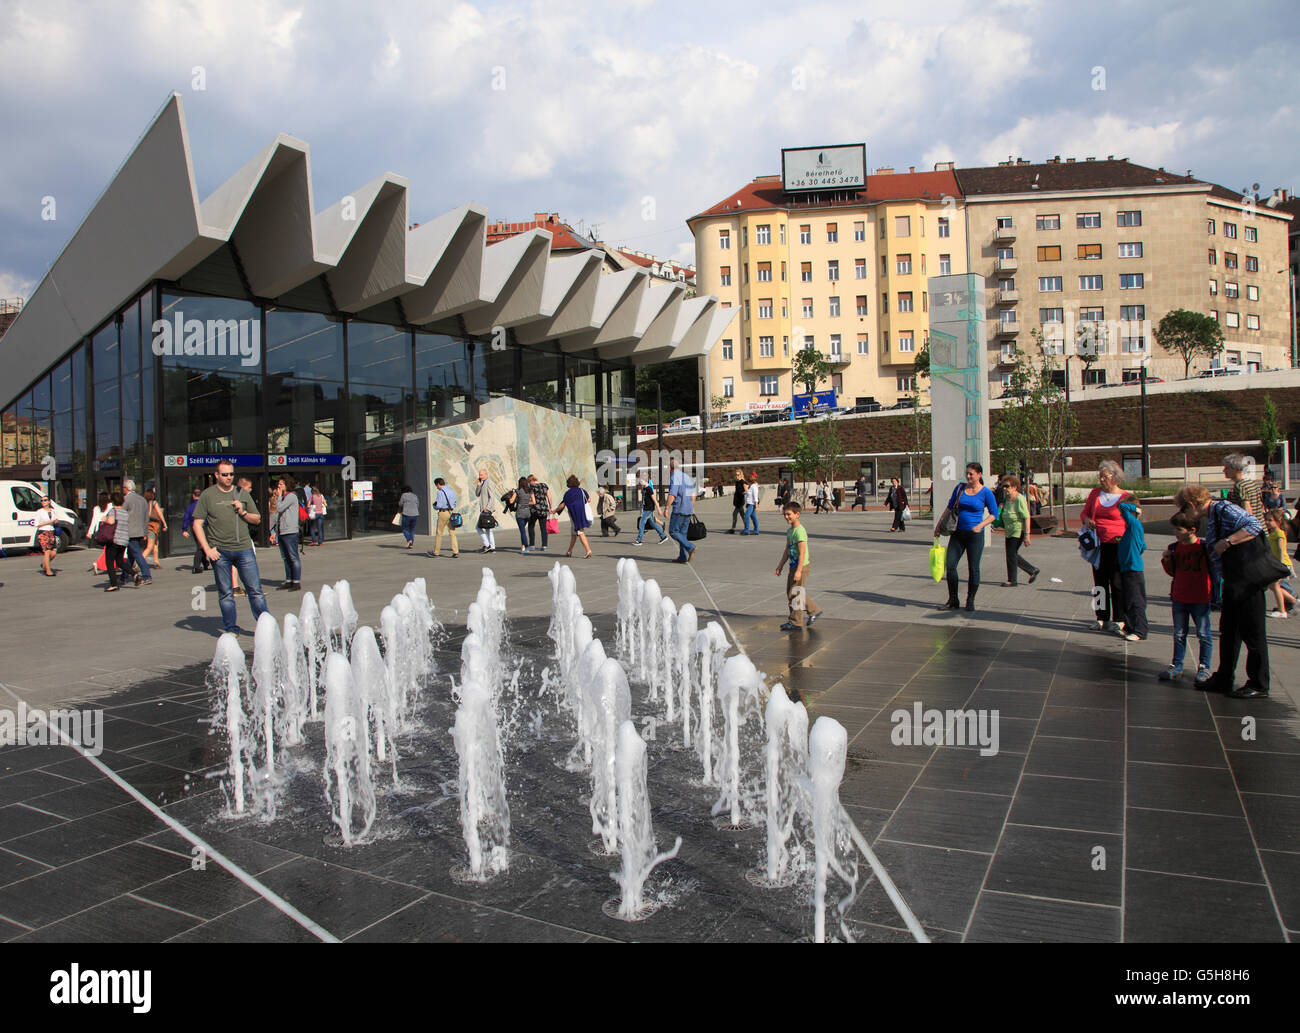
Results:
<point x="150" y="224"/>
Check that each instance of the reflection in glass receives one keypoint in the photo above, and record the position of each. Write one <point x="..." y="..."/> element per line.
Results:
<point x="105" y="354"/>
<point x="379" y="354"/>
<point x="302" y="415"/>
<point x="226" y="323"/>
<point x="210" y="411"/>
<point x="442" y="375"/>
<point x="304" y="344"/>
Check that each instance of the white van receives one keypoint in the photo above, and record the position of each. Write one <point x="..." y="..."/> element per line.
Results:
<point x="685" y="423"/>
<point x="20" y="504"/>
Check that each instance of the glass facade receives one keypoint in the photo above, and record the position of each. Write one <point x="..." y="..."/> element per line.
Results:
<point x="183" y="372"/>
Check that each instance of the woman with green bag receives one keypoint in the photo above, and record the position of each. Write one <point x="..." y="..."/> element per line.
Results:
<point x="1014" y="520"/>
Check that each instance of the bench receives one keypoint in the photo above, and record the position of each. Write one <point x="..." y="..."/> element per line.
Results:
<point x="1043" y="524"/>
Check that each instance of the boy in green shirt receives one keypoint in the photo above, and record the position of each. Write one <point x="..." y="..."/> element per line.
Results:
<point x="1015" y="523"/>
<point x="796" y="582"/>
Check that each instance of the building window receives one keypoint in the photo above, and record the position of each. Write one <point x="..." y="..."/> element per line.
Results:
<point x="1088" y="221"/>
<point x="1049" y="254"/>
<point x="1047" y="222"/>
<point x="805" y="234"/>
<point x="884" y="304"/>
<point x="882" y="229"/>
<point x="1005" y="222"/>
<point x="837" y="348"/>
<point x="903" y="263"/>
<point x="859" y="231"/>
<point x="1251" y="234"/>
<point x="1230" y="289"/>
<point x="724" y="239"/>
<point x="1132" y="249"/>
<point x="745" y="268"/>
<point x="832" y="271"/>
<point x="807" y="308"/>
<point x="749" y="349"/>
<point x="1132" y="313"/>
<point x="1006" y="285"/>
<point x="832" y="233"/>
<point x="785" y="347"/>
<point x="834" y="307"/>
<point x="862" y="304"/>
<point x="1129" y="218"/>
<point x="1230" y="230"/>
<point x="767" y="385"/>
<point x="1131" y="281"/>
<point x="724" y="276"/>
<point x="1050" y="315"/>
<point x="785" y="307"/>
<point x="1006" y="252"/>
<point x="1089" y="283"/>
<point x="728" y="387"/>
<point x="1009" y="317"/>
<point x="1252" y="292"/>
<point x="1214" y="287"/>
<point x="943" y="226"/>
<point x="1094" y="377"/>
<point x="1232" y="320"/>
<point x="906" y="383"/>
<point x="905" y="301"/>
<point x="945" y="265"/>
<point x="1049" y="284"/>
<point x="762" y="234"/>
<point x="746" y="311"/>
<point x="1214" y="314"/>
<point x="1230" y="260"/>
<point x="1252" y="322"/>
<point x="863" y="345"/>
<point x="805" y="272"/>
<point x="783" y="272"/>
<point x="1209" y="226"/>
<point x="902" y="225"/>
<point x="744" y="236"/>
<point x="1252" y="264"/>
<point x="764" y="272"/>
<point x="859" y="268"/>
<point x="782" y="229"/>
<point x="764" y="308"/>
<point x="906" y="341"/>
<point x="1133" y="345"/>
<point x="726" y="348"/>
<point x="1091" y="314"/>
<point x="1088" y="252"/>
<point x="1214" y="257"/>
<point x="766" y="347"/>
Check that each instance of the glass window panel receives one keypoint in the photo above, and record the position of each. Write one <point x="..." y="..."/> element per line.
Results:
<point x="442" y="379"/>
<point x="304" y="416"/>
<point x="108" y="427"/>
<point x="379" y="354"/>
<point x="378" y="412"/>
<point x="540" y="383"/>
<point x="61" y="386"/>
<point x="104" y="346"/>
<point x="227" y="326"/>
<point x="130" y="337"/>
<point x="304" y="344"/>
<point x="206" y="411"/>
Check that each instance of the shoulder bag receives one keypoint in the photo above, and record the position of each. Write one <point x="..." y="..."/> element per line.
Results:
<point x="105" y="531"/>
<point x="486" y="521"/>
<point x="949" y="523"/>
<point x="696" y="530"/>
<point x="1250" y="566"/>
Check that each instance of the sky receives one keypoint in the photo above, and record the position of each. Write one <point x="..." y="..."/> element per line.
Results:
<point x="626" y="115"/>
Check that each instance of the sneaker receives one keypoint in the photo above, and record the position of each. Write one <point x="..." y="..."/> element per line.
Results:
<point x="524" y="549"/>
<point x="790" y="626"/>
<point x="812" y="618"/>
<point x="1249" y="691"/>
<point x="1114" y="628"/>
<point x="638" y="542"/>
<point x="663" y="539"/>
<point x="1202" y="674"/>
<point x="690" y="556"/>
<point x="1280" y="614"/>
<point x="1171" y="673"/>
<point x="1034" y="576"/>
<point x="1132" y="637"/>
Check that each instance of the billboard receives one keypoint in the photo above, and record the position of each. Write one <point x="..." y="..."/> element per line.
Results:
<point x="824" y="168"/>
<point x="807" y="405"/>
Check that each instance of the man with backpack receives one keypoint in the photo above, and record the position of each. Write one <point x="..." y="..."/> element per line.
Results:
<point x="445" y="505"/>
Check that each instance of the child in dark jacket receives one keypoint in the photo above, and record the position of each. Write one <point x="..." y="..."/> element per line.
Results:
<point x="1188" y="563"/>
<point x="1131" y="547"/>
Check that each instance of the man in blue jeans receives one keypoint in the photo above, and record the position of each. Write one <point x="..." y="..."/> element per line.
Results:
<point x="681" y="501"/>
<point x="221" y="522"/>
<point x="137" y="510"/>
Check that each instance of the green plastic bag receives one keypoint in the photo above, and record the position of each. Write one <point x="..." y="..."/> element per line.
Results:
<point x="938" y="560"/>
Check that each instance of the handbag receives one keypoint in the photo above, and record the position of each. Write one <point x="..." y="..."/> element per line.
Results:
<point x="938" y="560"/>
<point x="486" y="521"/>
<point x="104" y="533"/>
<point x="553" y="525"/>
<point x="455" y="520"/>
<point x="397" y="518"/>
<point x="696" y="529"/>
<point x="1250" y="566"/>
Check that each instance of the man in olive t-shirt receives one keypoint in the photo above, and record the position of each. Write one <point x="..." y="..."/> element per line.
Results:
<point x="221" y="521"/>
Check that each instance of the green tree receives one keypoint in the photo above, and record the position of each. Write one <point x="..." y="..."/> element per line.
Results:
<point x="679" y="381"/>
<point x="804" y="457"/>
<point x="718" y="405"/>
<point x="1190" y="335"/>
<point x="1035" y="425"/>
<point x="1268" y="431"/>
<point x="829" y="446"/>
<point x="810" y="368"/>
<point x="1088" y="346"/>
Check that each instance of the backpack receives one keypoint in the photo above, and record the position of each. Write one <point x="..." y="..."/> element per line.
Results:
<point x="302" y="513"/>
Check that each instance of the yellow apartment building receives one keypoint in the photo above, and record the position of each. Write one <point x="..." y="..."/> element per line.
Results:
<point x="842" y="271"/>
<point x="1111" y="246"/>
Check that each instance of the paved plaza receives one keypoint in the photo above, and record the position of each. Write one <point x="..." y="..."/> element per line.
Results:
<point x="1116" y="808"/>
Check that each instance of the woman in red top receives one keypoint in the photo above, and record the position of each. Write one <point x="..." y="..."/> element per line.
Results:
<point x="1101" y="513"/>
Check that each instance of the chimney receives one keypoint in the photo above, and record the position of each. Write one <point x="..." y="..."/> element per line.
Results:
<point x="1054" y="161"/>
<point x="1110" y="157"/>
<point x="887" y="171"/>
<point x="1022" y="161"/>
<point x="1005" y="164"/>
<point x="1089" y="159"/>
<point x="943" y="166"/>
<point x="1069" y="161"/>
<point x="911" y="169"/>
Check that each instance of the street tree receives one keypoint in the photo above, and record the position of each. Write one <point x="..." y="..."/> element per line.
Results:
<point x="1189" y="335"/>
<point x="810" y="368"/>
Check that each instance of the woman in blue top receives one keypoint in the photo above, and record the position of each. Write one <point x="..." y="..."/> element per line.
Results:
<point x="970" y="502"/>
<point x="575" y="501"/>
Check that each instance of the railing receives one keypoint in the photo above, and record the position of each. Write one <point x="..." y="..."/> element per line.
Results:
<point x="1008" y="297"/>
<point x="1006" y="265"/>
<point x="1004" y="233"/>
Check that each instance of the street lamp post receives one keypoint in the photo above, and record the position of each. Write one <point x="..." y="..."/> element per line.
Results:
<point x="1146" y="452"/>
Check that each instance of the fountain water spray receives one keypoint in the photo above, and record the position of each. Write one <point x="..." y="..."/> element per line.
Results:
<point x="636" y="833"/>
<point x="711" y="648"/>
<point x="268" y="677"/>
<point x="629" y="588"/>
<point x="331" y="615"/>
<point x="611" y="705"/>
<point x="787" y="768"/>
<point x="738" y="678"/>
<point x="315" y="642"/>
<point x="832" y="837"/>
<point x="647" y="619"/>
<point x="370" y="677"/>
<point x="348" y="787"/>
<point x="484" y="812"/>
<point x="296" y="712"/>
<point x="666" y="666"/>
<point x="685" y="628"/>
<point x="347" y="611"/>
<point x="426" y="627"/>
<point x="228" y="686"/>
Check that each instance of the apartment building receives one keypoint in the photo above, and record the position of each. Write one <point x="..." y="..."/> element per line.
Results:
<point x="1096" y="252"/>
<point x="844" y="271"/>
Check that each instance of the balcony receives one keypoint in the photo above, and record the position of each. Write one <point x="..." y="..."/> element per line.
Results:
<point x="838" y="358"/>
<point x="1008" y="297"/>
<point x="1006" y="265"/>
<point x="1004" y="234"/>
<point x="1007" y="355"/>
<point x="1007" y="328"/>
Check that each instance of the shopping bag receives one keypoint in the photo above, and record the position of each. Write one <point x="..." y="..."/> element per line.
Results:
<point x="907" y="513"/>
<point x="553" y="525"/>
<point x="938" y="560"/>
<point x="397" y="519"/>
